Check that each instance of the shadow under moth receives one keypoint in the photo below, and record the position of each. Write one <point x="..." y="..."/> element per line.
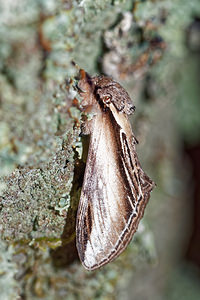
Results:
<point x="115" y="189"/>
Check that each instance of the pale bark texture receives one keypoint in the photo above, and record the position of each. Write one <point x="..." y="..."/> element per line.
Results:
<point x="144" y="46"/>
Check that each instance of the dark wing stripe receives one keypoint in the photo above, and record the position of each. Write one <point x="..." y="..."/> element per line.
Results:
<point x="129" y="163"/>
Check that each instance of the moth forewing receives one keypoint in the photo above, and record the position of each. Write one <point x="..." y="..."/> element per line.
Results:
<point x="115" y="189"/>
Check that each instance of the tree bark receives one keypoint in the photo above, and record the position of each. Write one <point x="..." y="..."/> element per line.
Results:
<point x="138" y="43"/>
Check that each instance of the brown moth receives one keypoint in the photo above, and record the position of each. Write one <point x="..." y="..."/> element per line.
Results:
<point x="115" y="189"/>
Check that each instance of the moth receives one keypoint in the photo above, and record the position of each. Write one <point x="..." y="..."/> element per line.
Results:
<point x="115" y="189"/>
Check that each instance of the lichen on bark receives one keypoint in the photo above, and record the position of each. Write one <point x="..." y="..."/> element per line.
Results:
<point x="40" y="145"/>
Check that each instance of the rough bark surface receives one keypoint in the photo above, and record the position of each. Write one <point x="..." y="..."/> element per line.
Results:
<point x="140" y="44"/>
